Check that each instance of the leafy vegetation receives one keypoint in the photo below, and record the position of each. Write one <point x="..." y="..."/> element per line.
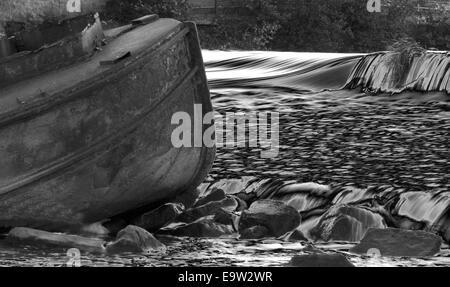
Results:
<point x="122" y="11"/>
<point x="254" y="31"/>
<point x="333" y="26"/>
<point x="310" y="25"/>
<point x="403" y="52"/>
<point x="433" y="30"/>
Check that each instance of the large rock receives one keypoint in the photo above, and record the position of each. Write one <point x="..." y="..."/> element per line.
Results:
<point x="215" y="194"/>
<point x="134" y="239"/>
<point x="255" y="232"/>
<point x="211" y="208"/>
<point x="346" y="223"/>
<point x="204" y="227"/>
<point x="320" y="260"/>
<point x="399" y="242"/>
<point x="115" y="225"/>
<point x="445" y="233"/>
<point x="242" y="205"/>
<point x="338" y="228"/>
<point x="227" y="218"/>
<point x="442" y="226"/>
<point x="276" y="216"/>
<point x="34" y="236"/>
<point x="160" y="217"/>
<point x="188" y="197"/>
<point x="310" y="248"/>
<point x="294" y="236"/>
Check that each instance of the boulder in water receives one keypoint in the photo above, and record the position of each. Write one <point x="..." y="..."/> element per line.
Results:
<point x="276" y="216"/>
<point x="443" y="228"/>
<point x="215" y="194"/>
<point x="399" y="242"/>
<point x="134" y="239"/>
<point x="227" y="218"/>
<point x="295" y="236"/>
<point x="338" y="228"/>
<point x="320" y="260"/>
<point x="310" y="248"/>
<point x="203" y="227"/>
<point x="346" y="223"/>
<point x="255" y="232"/>
<point x="446" y="234"/>
<point x="242" y="205"/>
<point x="34" y="236"/>
<point x="160" y="217"/>
<point x="115" y="225"/>
<point x="190" y="215"/>
<point x="187" y="198"/>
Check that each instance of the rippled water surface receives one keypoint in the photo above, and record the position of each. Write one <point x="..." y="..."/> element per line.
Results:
<point x="332" y="136"/>
<point x="328" y="135"/>
<point x="185" y="252"/>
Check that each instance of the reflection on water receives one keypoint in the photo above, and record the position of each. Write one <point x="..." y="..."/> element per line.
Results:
<point x="388" y="152"/>
<point x="184" y="252"/>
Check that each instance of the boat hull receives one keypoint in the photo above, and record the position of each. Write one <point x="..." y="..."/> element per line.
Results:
<point x="91" y="141"/>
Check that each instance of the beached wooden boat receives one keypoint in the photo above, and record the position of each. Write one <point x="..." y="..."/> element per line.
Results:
<point x="85" y="127"/>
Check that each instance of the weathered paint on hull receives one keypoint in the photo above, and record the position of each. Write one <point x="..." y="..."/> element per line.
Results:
<point x="89" y="142"/>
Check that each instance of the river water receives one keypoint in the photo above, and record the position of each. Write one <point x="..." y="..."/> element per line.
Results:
<point x="363" y="143"/>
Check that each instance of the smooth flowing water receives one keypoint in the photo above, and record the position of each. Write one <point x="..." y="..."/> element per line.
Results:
<point x="388" y="152"/>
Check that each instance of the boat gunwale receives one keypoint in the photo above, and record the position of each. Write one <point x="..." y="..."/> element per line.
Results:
<point x="72" y="49"/>
<point x="82" y="88"/>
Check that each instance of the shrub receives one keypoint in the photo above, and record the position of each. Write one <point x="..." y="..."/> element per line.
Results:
<point x="123" y="11"/>
<point x="402" y="55"/>
<point x="343" y="26"/>
<point x="433" y="29"/>
<point x="254" y="31"/>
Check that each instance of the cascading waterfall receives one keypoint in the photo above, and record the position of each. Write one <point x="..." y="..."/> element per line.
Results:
<point x="389" y="72"/>
<point x="384" y="72"/>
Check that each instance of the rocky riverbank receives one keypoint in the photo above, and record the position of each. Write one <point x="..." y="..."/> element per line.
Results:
<point x="219" y="214"/>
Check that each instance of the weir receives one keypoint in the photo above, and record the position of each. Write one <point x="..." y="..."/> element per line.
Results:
<point x="390" y="72"/>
